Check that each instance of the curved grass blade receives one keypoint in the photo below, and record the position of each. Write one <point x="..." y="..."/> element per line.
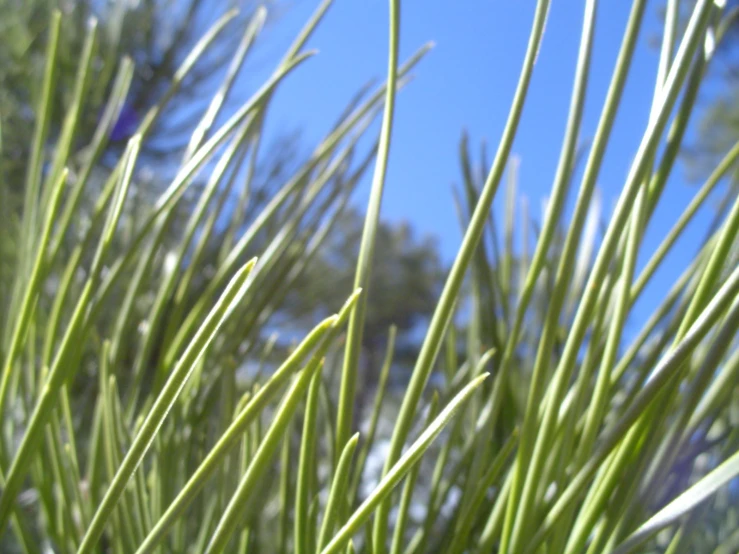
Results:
<point x="60" y="370"/>
<point x="177" y="188"/>
<point x="683" y="504"/>
<point x="661" y="375"/>
<point x="231" y="436"/>
<point x="220" y="312"/>
<point x="306" y="463"/>
<point x="260" y="462"/>
<point x="554" y="210"/>
<point x="444" y="309"/>
<point x="398" y="470"/>
<point x="337" y="493"/>
<point x="33" y="288"/>
<point x="524" y="507"/>
<point x="345" y="412"/>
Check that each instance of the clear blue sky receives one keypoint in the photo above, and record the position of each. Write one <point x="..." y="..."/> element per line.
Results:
<point x="467" y="82"/>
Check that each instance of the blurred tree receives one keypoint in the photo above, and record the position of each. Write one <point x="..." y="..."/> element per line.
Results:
<point x="158" y="35"/>
<point x="718" y="125"/>
<point x="407" y="277"/>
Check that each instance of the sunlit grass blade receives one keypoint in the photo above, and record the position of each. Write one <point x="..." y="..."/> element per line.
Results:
<point x="176" y="189"/>
<point x="565" y="367"/>
<point x="337" y="492"/>
<point x="683" y="504"/>
<point x="367" y="245"/>
<point x="398" y="470"/>
<point x="253" y="408"/>
<point x="306" y="465"/>
<point x="32" y="289"/>
<point x="443" y="312"/>
<point x="258" y="465"/>
<point x="252" y="31"/>
<point x="164" y="402"/>
<point x="152" y="384"/>
<point x="661" y="375"/>
<point x="59" y="372"/>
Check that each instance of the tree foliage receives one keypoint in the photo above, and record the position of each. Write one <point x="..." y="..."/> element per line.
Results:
<point x="158" y="35"/>
<point x="718" y="114"/>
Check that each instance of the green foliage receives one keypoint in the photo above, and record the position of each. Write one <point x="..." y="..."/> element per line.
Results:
<point x="143" y="410"/>
<point x="156" y="34"/>
<point x="718" y="117"/>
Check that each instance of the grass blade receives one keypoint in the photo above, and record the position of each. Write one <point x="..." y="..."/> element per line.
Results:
<point x="400" y="469"/>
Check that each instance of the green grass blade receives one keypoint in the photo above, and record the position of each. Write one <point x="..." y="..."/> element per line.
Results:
<point x="250" y="34"/>
<point x="525" y="506"/>
<point x="661" y="375"/>
<point x="337" y="493"/>
<point x="306" y="466"/>
<point x="112" y="111"/>
<point x="59" y="371"/>
<point x="163" y="404"/>
<point x="65" y="141"/>
<point x="43" y="117"/>
<point x="254" y="407"/>
<point x="376" y="411"/>
<point x="683" y="504"/>
<point x="398" y="470"/>
<point x="443" y="312"/>
<point x="406" y="496"/>
<point x="267" y="447"/>
<point x="367" y="246"/>
<point x="32" y="290"/>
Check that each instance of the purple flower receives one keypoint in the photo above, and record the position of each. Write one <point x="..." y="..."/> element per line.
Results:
<point x="125" y="125"/>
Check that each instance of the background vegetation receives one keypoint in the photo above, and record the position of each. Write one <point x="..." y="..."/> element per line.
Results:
<point x="195" y="323"/>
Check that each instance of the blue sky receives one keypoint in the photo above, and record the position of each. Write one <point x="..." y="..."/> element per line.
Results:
<point x="467" y="82"/>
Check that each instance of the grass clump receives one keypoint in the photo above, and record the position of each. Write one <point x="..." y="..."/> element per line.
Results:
<point x="128" y="422"/>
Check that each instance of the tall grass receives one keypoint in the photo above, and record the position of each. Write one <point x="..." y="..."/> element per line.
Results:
<point x="129" y="424"/>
